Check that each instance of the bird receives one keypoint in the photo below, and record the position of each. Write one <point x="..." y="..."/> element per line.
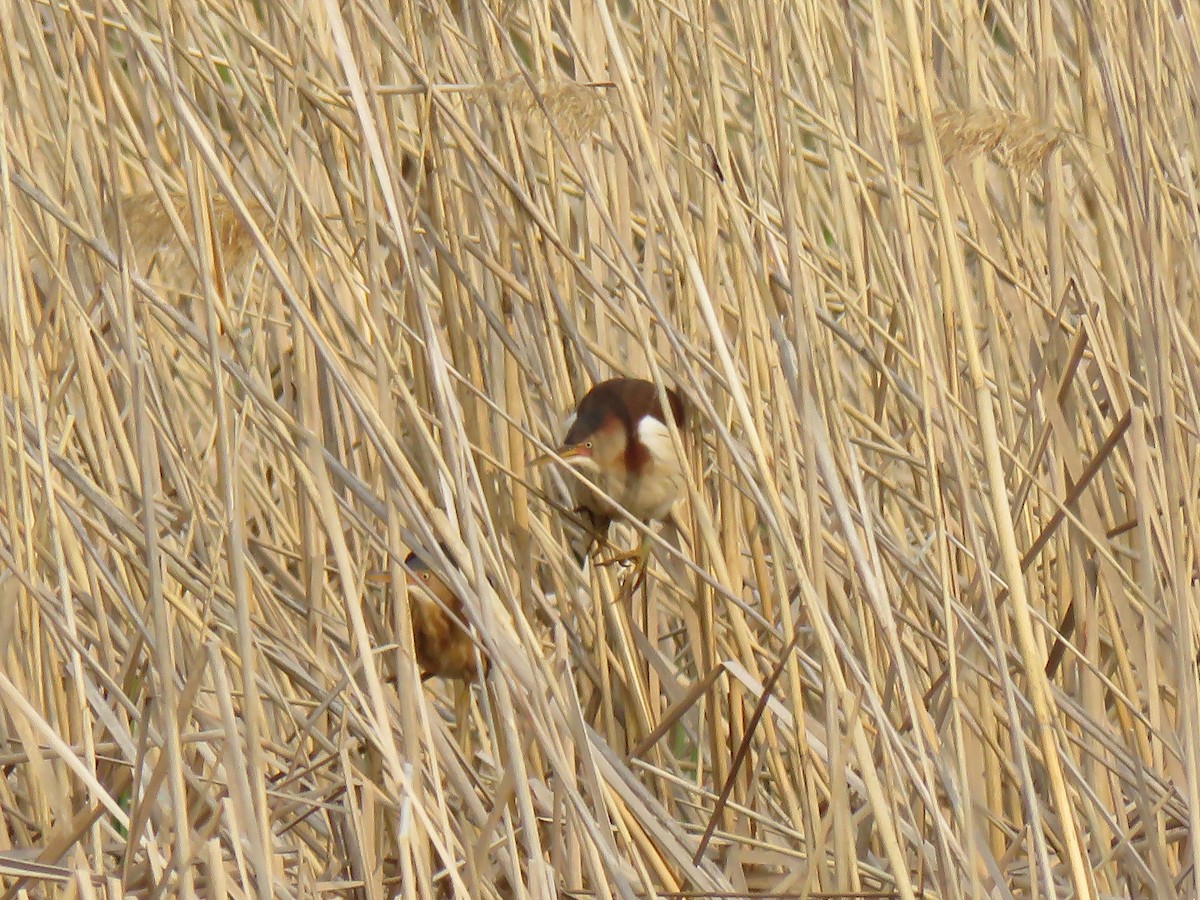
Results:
<point x="444" y="648"/>
<point x="619" y="439"/>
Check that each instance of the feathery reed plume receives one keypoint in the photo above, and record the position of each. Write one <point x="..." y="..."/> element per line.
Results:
<point x="1017" y="141"/>
<point x="577" y="108"/>
<point x="156" y="238"/>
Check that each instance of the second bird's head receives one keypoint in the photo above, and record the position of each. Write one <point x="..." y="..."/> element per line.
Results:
<point x="417" y="572"/>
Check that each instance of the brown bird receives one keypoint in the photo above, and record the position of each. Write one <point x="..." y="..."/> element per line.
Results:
<point x="444" y="649"/>
<point x="619" y="440"/>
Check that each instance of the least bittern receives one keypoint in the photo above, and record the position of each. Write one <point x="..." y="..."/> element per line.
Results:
<point x="619" y="440"/>
<point x="444" y="649"/>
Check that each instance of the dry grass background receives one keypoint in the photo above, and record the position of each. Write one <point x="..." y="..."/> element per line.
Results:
<point x="289" y="289"/>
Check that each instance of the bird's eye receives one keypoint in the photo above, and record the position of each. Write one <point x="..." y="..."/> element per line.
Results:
<point x="588" y="444"/>
<point x="424" y="576"/>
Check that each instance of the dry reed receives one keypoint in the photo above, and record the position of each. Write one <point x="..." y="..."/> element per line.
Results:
<point x="927" y="625"/>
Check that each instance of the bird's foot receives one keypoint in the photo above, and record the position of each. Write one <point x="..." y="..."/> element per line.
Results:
<point x="637" y="556"/>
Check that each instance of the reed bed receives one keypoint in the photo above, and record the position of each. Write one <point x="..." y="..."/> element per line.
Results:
<point x="291" y="289"/>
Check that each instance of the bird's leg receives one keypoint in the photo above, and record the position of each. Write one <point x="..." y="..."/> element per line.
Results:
<point x="596" y="532"/>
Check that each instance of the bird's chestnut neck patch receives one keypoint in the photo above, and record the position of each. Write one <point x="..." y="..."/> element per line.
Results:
<point x="637" y="456"/>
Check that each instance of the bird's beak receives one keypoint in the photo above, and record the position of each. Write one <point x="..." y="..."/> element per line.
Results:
<point x="576" y="452"/>
<point x="383" y="577"/>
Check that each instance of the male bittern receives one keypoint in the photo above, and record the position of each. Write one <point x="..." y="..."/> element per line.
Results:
<point x="444" y="649"/>
<point x="619" y="440"/>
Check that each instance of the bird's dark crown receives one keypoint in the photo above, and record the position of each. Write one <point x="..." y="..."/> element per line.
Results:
<point x="413" y="561"/>
<point x="587" y="423"/>
<point x="626" y="400"/>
